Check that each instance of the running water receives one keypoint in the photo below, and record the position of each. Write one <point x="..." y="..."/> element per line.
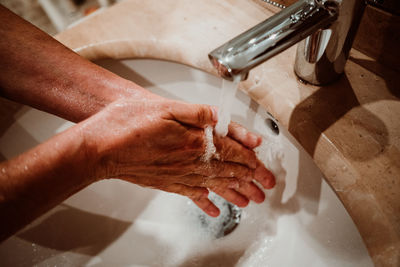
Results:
<point x="226" y="99"/>
<point x="225" y="104"/>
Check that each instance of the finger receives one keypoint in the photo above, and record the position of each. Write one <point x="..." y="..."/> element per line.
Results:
<point x="230" y="150"/>
<point x="216" y="168"/>
<point x="197" y="194"/>
<point x="208" y="182"/>
<point x="251" y="191"/>
<point x="196" y="115"/>
<point x="264" y="176"/>
<point x="184" y="190"/>
<point x="243" y="136"/>
<point x="207" y="206"/>
<point x="232" y="196"/>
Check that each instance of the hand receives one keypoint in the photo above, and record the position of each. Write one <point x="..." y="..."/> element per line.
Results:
<point x="160" y="143"/>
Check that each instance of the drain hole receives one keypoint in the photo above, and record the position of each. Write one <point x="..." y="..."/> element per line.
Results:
<point x="232" y="221"/>
<point x="272" y="125"/>
<point x="226" y="222"/>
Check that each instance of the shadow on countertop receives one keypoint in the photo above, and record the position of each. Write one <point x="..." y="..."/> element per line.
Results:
<point x="361" y="136"/>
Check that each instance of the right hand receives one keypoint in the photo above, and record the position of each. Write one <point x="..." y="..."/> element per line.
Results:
<point x="160" y="143"/>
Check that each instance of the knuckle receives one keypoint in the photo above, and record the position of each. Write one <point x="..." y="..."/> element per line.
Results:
<point x="201" y="116"/>
<point x="246" y="174"/>
<point x="195" y="194"/>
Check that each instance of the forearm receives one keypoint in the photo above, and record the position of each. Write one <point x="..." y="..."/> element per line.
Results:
<point x="41" y="178"/>
<point x="39" y="71"/>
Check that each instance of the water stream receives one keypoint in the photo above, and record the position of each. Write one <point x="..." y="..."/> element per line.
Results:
<point x="226" y="99"/>
<point x="230" y="214"/>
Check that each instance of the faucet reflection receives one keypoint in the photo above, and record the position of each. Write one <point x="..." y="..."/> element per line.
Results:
<point x="327" y="28"/>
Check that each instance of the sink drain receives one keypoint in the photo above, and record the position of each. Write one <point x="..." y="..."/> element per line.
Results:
<point x="226" y="222"/>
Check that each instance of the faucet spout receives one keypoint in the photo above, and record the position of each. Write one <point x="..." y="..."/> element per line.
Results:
<point x="301" y="20"/>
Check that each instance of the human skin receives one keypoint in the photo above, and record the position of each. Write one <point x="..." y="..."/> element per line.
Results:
<point x="123" y="132"/>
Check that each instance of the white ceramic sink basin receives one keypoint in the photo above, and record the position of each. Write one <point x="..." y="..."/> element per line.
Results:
<point x="114" y="223"/>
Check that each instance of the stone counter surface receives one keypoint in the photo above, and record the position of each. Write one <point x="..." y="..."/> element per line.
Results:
<point x="351" y="128"/>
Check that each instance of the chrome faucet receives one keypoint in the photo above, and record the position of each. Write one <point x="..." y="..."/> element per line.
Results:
<point x="326" y="29"/>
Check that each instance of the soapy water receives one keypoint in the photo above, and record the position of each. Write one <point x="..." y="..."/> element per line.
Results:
<point x="211" y="150"/>
<point x="215" y="230"/>
<point x="230" y="214"/>
<point x="200" y="240"/>
<point x="269" y="152"/>
<point x="225" y="223"/>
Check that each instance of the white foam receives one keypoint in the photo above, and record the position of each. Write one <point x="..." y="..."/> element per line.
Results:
<point x="270" y="153"/>
<point x="210" y="150"/>
<point x="258" y="254"/>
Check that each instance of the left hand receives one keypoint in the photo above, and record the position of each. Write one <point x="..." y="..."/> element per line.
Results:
<point x="160" y="143"/>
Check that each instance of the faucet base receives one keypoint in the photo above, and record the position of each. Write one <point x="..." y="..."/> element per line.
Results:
<point x="319" y="72"/>
<point x="321" y="57"/>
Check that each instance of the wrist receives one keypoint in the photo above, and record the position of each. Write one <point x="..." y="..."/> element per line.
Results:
<point x="94" y="147"/>
<point x="74" y="156"/>
<point x="115" y="88"/>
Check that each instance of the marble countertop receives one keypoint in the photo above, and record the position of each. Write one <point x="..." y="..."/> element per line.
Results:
<point x="351" y="128"/>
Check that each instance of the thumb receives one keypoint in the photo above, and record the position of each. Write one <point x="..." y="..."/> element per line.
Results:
<point x="196" y="115"/>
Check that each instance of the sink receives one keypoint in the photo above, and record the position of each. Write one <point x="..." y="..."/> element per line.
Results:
<point x="115" y="223"/>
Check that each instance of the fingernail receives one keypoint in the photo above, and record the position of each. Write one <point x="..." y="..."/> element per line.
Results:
<point x="214" y="111"/>
<point x="259" y="198"/>
<point x="265" y="177"/>
<point x="214" y="212"/>
<point x="242" y="203"/>
<point x="255" y="139"/>
<point x="271" y="182"/>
